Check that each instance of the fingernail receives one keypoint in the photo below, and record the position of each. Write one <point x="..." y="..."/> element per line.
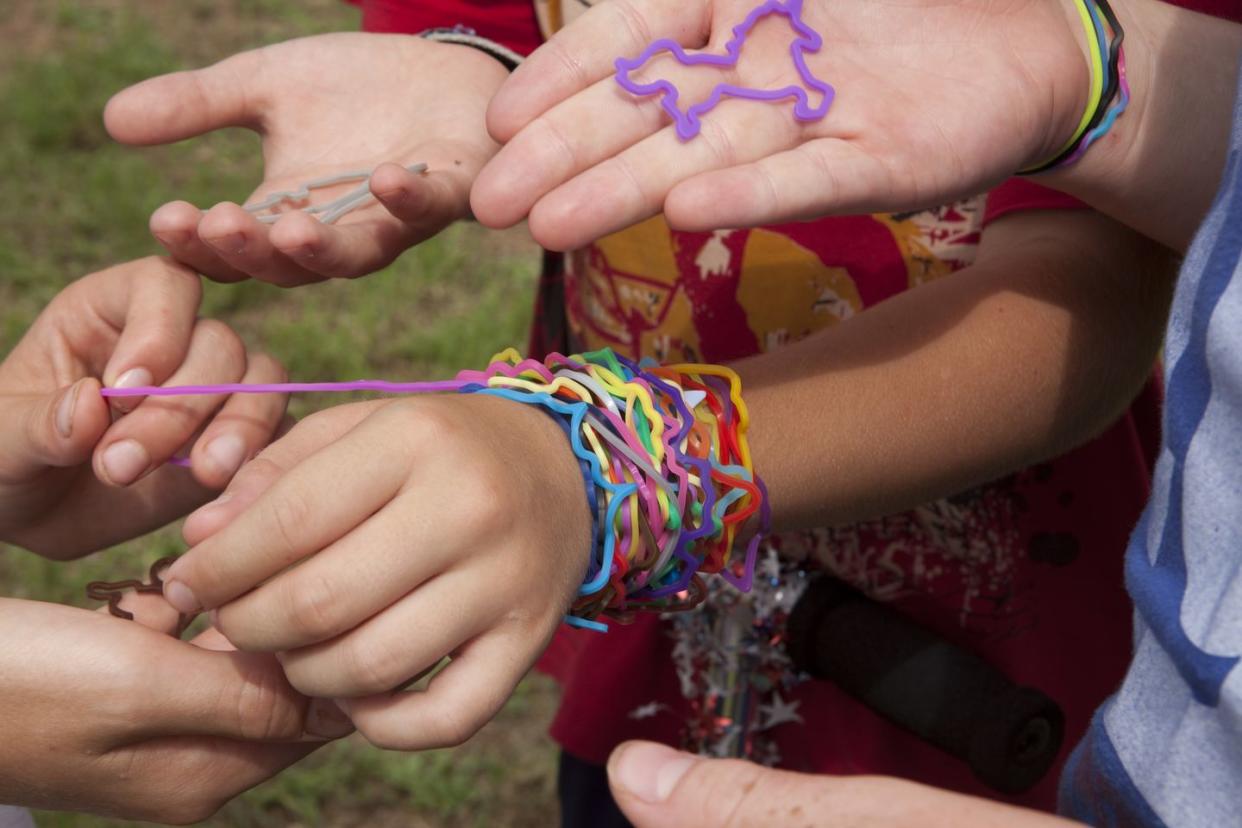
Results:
<point x="171" y="239"/>
<point x="227" y="452"/>
<point x="232" y="243"/>
<point x="133" y="378"/>
<point x="124" y="462"/>
<point x="325" y="720"/>
<point x="397" y="197"/>
<point x="180" y="596"/>
<point x="64" y="410"/>
<point x="648" y="770"/>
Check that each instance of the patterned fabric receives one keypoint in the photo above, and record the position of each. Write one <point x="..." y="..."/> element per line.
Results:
<point x="1167" y="749"/>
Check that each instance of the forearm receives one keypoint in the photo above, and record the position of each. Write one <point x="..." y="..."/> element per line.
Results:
<point x="1032" y="350"/>
<point x="1159" y="167"/>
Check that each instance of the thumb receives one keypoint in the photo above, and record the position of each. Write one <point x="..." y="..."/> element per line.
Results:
<point x="55" y="430"/>
<point x="657" y="786"/>
<point x="184" y="104"/>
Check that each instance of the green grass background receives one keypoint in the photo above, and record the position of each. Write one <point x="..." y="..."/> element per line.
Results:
<point x="71" y="202"/>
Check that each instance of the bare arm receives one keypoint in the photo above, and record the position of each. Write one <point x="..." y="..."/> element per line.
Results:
<point x="1032" y="350"/>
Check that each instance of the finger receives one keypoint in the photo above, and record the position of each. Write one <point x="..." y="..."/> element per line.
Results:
<point x="232" y="695"/>
<point x="420" y="199"/>
<point x="255" y="477"/>
<point x="153" y="302"/>
<point x="325" y="496"/>
<point x="339" y="250"/>
<point x="160" y="426"/>
<point x="54" y="430"/>
<point x="242" y="242"/>
<point x="459" y="701"/>
<point x="242" y="428"/>
<point x="150" y="610"/>
<point x="318" y="600"/>
<point x="323" y="719"/>
<point x="175" y="226"/>
<point x="632" y="186"/>
<point x="381" y="654"/>
<point x="655" y="785"/>
<point x="570" y="138"/>
<point x="418" y="534"/>
<point x="573" y="60"/>
<point x="822" y="177"/>
<point x="213" y="639"/>
<point x="184" y="104"/>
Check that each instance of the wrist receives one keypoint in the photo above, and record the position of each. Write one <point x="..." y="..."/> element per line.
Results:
<point x="1111" y="155"/>
<point x="464" y="36"/>
<point x="1066" y="87"/>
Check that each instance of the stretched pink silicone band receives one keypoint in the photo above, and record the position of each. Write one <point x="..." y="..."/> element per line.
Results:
<point x="289" y="388"/>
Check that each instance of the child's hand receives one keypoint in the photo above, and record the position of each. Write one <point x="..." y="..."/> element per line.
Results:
<point x="934" y="101"/>
<point x="111" y="717"/>
<point x="419" y="528"/>
<point x="324" y="105"/>
<point x="131" y="325"/>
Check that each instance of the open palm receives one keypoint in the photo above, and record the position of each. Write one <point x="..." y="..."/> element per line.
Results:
<point x="323" y="105"/>
<point x="934" y="100"/>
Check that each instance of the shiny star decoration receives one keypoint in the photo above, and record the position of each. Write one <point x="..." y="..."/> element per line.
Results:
<point x="648" y="711"/>
<point x="779" y="712"/>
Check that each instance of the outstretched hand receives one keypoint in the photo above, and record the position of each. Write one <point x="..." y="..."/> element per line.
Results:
<point x="934" y="101"/>
<point x="323" y="105"/>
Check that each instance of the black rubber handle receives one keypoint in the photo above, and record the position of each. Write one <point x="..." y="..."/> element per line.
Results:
<point x="1009" y="735"/>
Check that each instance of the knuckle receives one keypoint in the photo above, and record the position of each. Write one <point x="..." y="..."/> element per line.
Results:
<point x="426" y="426"/>
<point x="570" y="62"/>
<point x="490" y="502"/>
<point x="219" y="340"/>
<point x="456" y="726"/>
<point x="208" y="575"/>
<point x="625" y="168"/>
<point x="262" y="707"/>
<point x="371" y="669"/>
<point x="724" y="788"/>
<point x="288" y="516"/>
<point x="312" y="608"/>
<point x="635" y="23"/>
<point x="259" y="468"/>
<point x="171" y="272"/>
<point x="268" y="367"/>
<point x="719" y="143"/>
<point x="562" y="145"/>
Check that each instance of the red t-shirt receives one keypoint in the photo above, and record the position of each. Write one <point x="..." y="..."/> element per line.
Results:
<point x="1026" y="572"/>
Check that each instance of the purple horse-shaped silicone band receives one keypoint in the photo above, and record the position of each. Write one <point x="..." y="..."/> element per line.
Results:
<point x="689" y="122"/>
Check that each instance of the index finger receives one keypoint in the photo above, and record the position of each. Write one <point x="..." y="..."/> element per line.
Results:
<point x="153" y="303"/>
<point x="585" y="51"/>
<point x="316" y="503"/>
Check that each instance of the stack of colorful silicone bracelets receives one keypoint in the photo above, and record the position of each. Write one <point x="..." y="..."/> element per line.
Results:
<point x="664" y="459"/>
<point x="667" y="469"/>
<point x="1110" y="91"/>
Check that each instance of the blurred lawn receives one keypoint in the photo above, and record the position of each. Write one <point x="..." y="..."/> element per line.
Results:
<point x="72" y="202"/>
